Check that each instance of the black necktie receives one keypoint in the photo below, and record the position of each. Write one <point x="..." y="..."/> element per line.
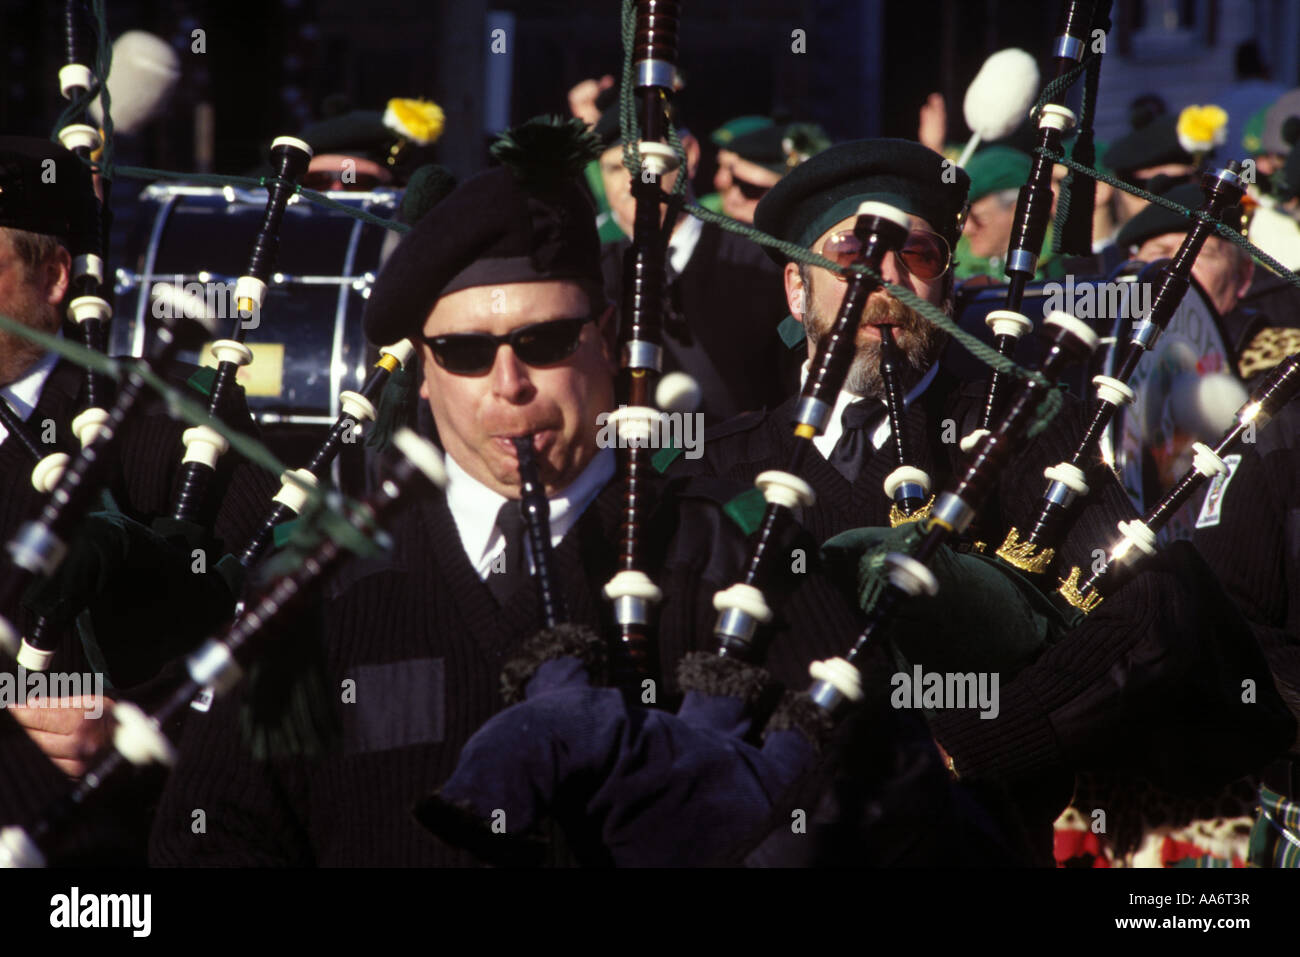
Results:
<point x="510" y="520"/>
<point x="854" y="446"/>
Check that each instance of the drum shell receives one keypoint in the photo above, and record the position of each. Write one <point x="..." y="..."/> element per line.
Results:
<point x="307" y="338"/>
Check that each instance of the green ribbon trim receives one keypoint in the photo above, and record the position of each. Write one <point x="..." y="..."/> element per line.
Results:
<point x="203" y="380"/>
<point x="746" y="510"/>
<point x="664" y="458"/>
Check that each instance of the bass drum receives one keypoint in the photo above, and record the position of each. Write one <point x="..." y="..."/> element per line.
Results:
<point x="308" y="344"/>
<point x="1185" y="392"/>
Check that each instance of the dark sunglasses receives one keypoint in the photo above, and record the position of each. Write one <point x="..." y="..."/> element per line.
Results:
<point x="1161" y="182"/>
<point x="925" y="254"/>
<point x="537" y="344"/>
<point x="749" y="190"/>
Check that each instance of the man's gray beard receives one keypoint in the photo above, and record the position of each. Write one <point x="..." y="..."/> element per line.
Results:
<point x="919" y="350"/>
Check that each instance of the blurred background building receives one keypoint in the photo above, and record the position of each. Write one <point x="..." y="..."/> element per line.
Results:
<point x="859" y="67"/>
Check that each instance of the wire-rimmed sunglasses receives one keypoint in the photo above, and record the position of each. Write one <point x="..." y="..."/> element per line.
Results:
<point x="925" y="255"/>
<point x="536" y="344"/>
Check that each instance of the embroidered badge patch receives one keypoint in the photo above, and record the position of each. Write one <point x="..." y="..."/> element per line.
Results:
<point x="1212" y="507"/>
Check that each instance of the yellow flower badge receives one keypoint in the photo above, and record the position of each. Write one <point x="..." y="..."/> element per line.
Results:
<point x="1201" y="128"/>
<point x="420" y="121"/>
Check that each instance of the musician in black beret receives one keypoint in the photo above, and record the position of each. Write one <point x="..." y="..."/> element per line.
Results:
<point x="723" y="296"/>
<point x="355" y="150"/>
<point x="1057" y="714"/>
<point x="1150" y="157"/>
<point x="500" y="285"/>
<point x="44" y="192"/>
<point x="1223" y="270"/>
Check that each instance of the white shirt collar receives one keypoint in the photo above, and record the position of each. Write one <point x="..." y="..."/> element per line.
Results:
<point x="474" y="508"/>
<point x="24" y="394"/>
<point x="682" y="245"/>
<point x="835" y="428"/>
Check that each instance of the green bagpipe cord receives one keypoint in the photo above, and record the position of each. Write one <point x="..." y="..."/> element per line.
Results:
<point x="986" y="617"/>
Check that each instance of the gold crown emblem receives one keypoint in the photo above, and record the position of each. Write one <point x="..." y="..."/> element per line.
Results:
<point x="1022" y="554"/>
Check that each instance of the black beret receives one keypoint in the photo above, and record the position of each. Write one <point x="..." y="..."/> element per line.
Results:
<point x="829" y="188"/>
<point x="44" y="188"/>
<point x="1152" y="145"/>
<point x="509" y="224"/>
<point x="1155" y="220"/>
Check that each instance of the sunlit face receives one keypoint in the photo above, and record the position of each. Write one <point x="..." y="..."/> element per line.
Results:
<point x="557" y="405"/>
<point x="988" y="226"/>
<point x="816" y="304"/>
<point x="1223" y="272"/>
<point x="741" y="184"/>
<point x="618" y="188"/>
<point x="32" y="297"/>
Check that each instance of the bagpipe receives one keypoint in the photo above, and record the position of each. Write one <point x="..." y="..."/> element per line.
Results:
<point x="223" y="659"/>
<point x="1068" y="481"/>
<point x="583" y="775"/>
<point x="115" y="541"/>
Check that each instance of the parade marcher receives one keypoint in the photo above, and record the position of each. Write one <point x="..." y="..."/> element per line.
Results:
<point x="38" y="214"/>
<point x="1053" y="717"/>
<point x="1149" y="157"/>
<point x="361" y="149"/>
<point x="501" y="284"/>
<point x="996" y="175"/>
<point x="723" y="294"/>
<point x="1223" y="269"/>
<point x="1248" y="530"/>
<point x="752" y="162"/>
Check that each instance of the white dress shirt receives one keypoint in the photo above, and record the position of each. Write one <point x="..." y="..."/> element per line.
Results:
<point x="683" y="242"/>
<point x="825" y="442"/>
<point x="474" y="508"/>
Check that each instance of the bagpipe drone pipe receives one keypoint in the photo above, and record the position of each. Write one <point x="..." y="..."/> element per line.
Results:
<point x="224" y="659"/>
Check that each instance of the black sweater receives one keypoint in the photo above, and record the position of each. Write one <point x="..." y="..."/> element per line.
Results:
<point x="423" y="640"/>
<point x="142" y="478"/>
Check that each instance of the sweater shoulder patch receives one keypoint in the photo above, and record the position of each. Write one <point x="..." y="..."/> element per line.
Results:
<point x="791" y="332"/>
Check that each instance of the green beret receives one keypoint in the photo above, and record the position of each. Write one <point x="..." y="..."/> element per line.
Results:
<point x="996" y="168"/>
<point x="780" y="148"/>
<point x="1274" y="138"/>
<point x="44" y="188"/>
<point x="1155" y="220"/>
<point x="527" y="220"/>
<point x="1252" y="134"/>
<point x="1153" y="145"/>
<point x="830" y="187"/>
<point x="729" y="131"/>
